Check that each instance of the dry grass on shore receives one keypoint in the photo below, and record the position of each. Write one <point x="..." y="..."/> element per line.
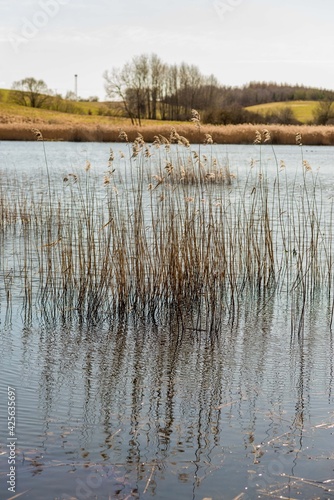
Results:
<point x="229" y="134"/>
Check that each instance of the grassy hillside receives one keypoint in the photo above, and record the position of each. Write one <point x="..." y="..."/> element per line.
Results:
<point x="302" y="110"/>
<point x="107" y="112"/>
<point x="78" y="113"/>
<point x="62" y="111"/>
<point x="13" y="113"/>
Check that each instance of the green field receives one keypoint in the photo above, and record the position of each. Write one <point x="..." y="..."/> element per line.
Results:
<point x="12" y="113"/>
<point x="77" y="113"/>
<point x="58" y="110"/>
<point x="111" y="112"/>
<point x="302" y="110"/>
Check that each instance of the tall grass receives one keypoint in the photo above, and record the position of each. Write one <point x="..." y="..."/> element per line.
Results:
<point x="222" y="134"/>
<point x="166" y="228"/>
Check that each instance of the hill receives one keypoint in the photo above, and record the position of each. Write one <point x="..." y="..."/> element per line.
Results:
<point x="92" y="115"/>
<point x="61" y="111"/>
<point x="303" y="111"/>
<point x="8" y="106"/>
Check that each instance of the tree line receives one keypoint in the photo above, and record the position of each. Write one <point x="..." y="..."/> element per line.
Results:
<point x="148" y="88"/>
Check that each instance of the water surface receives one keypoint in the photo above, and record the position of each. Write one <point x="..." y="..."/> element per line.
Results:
<point x="136" y="408"/>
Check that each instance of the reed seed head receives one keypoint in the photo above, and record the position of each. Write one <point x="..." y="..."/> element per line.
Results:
<point x="147" y="152"/>
<point x="266" y="136"/>
<point x="195" y="116"/>
<point x="169" y="167"/>
<point x="299" y="139"/>
<point x="156" y="141"/>
<point x="208" y="139"/>
<point x="307" y="166"/>
<point x="111" y="157"/>
<point x="38" y="134"/>
<point x="123" y="136"/>
<point x="258" y="137"/>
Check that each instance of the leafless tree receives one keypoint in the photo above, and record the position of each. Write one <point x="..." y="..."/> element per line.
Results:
<point x="116" y="85"/>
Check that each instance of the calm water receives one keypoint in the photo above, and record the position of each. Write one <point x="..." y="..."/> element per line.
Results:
<point x="143" y="410"/>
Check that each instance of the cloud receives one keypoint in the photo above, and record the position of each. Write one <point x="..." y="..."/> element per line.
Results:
<point x="255" y="40"/>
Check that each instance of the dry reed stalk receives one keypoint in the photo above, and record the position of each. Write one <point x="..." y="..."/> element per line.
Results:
<point x="220" y="134"/>
<point x="132" y="245"/>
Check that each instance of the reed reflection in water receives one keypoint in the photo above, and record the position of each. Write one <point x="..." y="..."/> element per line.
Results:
<point x="173" y="411"/>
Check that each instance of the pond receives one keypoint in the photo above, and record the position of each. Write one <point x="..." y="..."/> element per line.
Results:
<point x="134" y="362"/>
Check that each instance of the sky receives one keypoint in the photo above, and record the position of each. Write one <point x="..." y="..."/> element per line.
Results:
<point x="238" y="41"/>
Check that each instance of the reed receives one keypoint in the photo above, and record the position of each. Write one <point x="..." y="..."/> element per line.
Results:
<point x="167" y="228"/>
<point x="221" y="134"/>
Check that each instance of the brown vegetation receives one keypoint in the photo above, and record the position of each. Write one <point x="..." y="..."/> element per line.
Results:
<point x="229" y="134"/>
<point x="155" y="233"/>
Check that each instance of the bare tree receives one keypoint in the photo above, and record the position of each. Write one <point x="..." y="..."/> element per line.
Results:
<point x="209" y="95"/>
<point x="116" y="84"/>
<point x="147" y="88"/>
<point x="191" y="81"/>
<point x="137" y="85"/>
<point x="30" y="92"/>
<point x="158" y="75"/>
<point x="184" y="87"/>
<point x="139" y="78"/>
<point x="172" y="92"/>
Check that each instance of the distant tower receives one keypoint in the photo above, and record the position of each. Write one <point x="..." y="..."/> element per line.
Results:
<point x="76" y="86"/>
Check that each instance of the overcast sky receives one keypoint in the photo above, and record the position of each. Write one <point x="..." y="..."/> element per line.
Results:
<point x="239" y="41"/>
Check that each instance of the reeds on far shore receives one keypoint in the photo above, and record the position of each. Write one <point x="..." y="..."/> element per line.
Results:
<point x="167" y="231"/>
<point x="221" y="134"/>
